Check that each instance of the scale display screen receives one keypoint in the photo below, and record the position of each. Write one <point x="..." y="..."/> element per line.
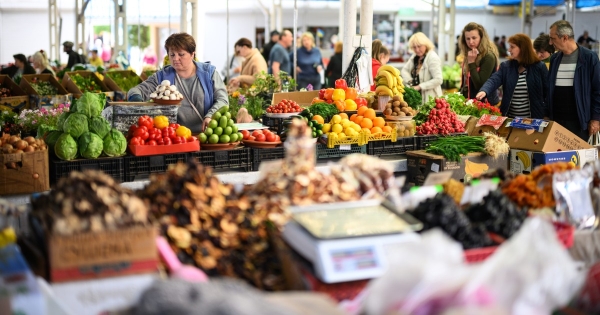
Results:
<point x="354" y="259"/>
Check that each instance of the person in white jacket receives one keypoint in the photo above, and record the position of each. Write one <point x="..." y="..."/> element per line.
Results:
<point x="423" y="70"/>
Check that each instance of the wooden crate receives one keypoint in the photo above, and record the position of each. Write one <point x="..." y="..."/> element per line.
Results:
<point x="18" y="99"/>
<point x="71" y="87"/>
<point x="36" y="100"/>
<point x="30" y="176"/>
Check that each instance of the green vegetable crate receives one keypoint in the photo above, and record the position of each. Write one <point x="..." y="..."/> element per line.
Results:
<point x="44" y="90"/>
<point x="18" y="99"/>
<point x="72" y="81"/>
<point x="121" y="81"/>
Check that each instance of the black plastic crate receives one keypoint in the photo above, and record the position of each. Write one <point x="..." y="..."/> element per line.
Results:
<point x="225" y="159"/>
<point x="323" y="152"/>
<point x="140" y="167"/>
<point x="387" y="147"/>
<point x="266" y="154"/>
<point x="423" y="141"/>
<point x="112" y="166"/>
<point x="276" y="125"/>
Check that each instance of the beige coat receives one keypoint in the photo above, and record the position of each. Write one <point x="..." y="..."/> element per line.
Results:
<point x="430" y="75"/>
<point x="254" y="63"/>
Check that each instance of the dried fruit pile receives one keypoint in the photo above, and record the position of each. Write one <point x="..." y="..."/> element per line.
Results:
<point x="89" y="202"/>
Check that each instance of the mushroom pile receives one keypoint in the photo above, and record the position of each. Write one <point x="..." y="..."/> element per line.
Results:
<point x="166" y="91"/>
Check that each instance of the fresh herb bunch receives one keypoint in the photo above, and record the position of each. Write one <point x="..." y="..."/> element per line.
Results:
<point x="453" y="147"/>
<point x="44" y="88"/>
<point x="324" y="110"/>
<point x="424" y="110"/>
<point x="457" y="103"/>
<point x="412" y="97"/>
<point x="125" y="82"/>
<point x="86" y="84"/>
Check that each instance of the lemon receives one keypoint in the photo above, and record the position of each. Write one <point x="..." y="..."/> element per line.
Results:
<point x="337" y="128"/>
<point x="333" y="136"/>
<point x="345" y="122"/>
<point x="336" y="119"/>
<point x="349" y="131"/>
<point x="326" y="128"/>
<point x="342" y="136"/>
<point x="356" y="127"/>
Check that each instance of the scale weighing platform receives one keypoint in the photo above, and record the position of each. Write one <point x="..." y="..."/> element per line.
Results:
<point x="347" y="241"/>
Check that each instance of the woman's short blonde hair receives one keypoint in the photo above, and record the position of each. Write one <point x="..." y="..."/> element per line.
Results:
<point x="339" y="47"/>
<point x="418" y="39"/>
<point x="309" y="35"/>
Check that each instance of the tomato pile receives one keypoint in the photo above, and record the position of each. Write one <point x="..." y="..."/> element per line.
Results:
<point x="147" y="132"/>
<point x="260" y="135"/>
<point x="442" y="120"/>
<point x="284" y="106"/>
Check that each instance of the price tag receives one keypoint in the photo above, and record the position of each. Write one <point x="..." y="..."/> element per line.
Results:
<point x="437" y="178"/>
<point x="435" y="167"/>
<point x="345" y="147"/>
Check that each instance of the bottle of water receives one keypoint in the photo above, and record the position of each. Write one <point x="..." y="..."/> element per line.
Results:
<point x="285" y="86"/>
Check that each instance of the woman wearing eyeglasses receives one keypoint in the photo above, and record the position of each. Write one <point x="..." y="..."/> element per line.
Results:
<point x="423" y="70"/>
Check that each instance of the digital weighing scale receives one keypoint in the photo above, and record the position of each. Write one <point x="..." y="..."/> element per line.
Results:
<point x="347" y="241"/>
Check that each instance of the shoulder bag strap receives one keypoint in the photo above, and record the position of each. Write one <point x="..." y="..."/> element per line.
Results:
<point x="185" y="93"/>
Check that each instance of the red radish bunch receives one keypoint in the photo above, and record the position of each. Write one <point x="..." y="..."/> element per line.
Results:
<point x="441" y="121"/>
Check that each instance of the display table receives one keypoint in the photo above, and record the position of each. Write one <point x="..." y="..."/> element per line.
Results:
<point x="398" y="163"/>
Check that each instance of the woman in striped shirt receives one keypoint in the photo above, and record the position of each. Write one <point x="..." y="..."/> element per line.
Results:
<point x="524" y="81"/>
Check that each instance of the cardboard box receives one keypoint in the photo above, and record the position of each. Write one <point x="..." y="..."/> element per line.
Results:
<point x="35" y="99"/>
<point x="30" y="176"/>
<point x="503" y="131"/>
<point x="120" y="94"/>
<point x="523" y="162"/>
<point x="302" y="98"/>
<point x="71" y="87"/>
<point x="421" y="163"/>
<point x="470" y="124"/>
<point x="102" y="254"/>
<point x="18" y="99"/>
<point x="553" y="138"/>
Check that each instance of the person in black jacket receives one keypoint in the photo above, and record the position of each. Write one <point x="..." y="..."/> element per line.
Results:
<point x="267" y="48"/>
<point x="334" y="68"/>
<point x="524" y="81"/>
<point x="20" y="67"/>
<point x="73" y="55"/>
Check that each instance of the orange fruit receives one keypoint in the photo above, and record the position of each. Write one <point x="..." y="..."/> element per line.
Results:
<point x="379" y="122"/>
<point x="376" y="130"/>
<point x="353" y="117"/>
<point x="361" y="110"/>
<point x="366" y="123"/>
<point x="387" y="129"/>
<point x="318" y="119"/>
<point x="358" y="119"/>
<point x="369" y="113"/>
<point x="343" y="115"/>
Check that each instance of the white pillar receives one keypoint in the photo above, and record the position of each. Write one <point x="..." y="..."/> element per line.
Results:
<point x="280" y="19"/>
<point x="349" y="32"/>
<point x="201" y="29"/>
<point x="442" y="30"/>
<point x="273" y="17"/>
<point x="451" y="32"/>
<point x="295" y="42"/>
<point x="366" y="27"/>
<point x="397" y="32"/>
<point x="79" y="40"/>
<point x="523" y="15"/>
<point x="54" y="51"/>
<point x="431" y="32"/>
<point x="183" y="23"/>
<point x="121" y="26"/>
<point x="341" y="21"/>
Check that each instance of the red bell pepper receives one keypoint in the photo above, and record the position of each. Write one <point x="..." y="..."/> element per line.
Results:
<point x="360" y="102"/>
<point x="328" y="94"/>
<point x="341" y="84"/>
<point x="322" y="94"/>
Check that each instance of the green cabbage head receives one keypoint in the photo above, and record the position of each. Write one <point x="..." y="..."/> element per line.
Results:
<point x="90" y="145"/>
<point x="65" y="147"/>
<point x="76" y="125"/>
<point x="115" y="143"/>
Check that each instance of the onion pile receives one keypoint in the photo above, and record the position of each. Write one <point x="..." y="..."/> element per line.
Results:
<point x="16" y="145"/>
<point x="166" y="91"/>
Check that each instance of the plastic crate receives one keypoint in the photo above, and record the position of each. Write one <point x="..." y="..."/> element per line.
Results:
<point x="226" y="159"/>
<point x="122" y="116"/>
<point x="140" y="167"/>
<point x="382" y="148"/>
<point x="423" y="141"/>
<point x="564" y="232"/>
<point x="112" y="166"/>
<point x="275" y="124"/>
<point x="266" y="154"/>
<point x="323" y="152"/>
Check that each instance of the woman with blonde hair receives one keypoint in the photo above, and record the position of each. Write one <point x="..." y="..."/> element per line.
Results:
<point x="423" y="70"/>
<point x="481" y="61"/>
<point x="41" y="64"/>
<point x="380" y="55"/>
<point x="334" y="67"/>
<point x="309" y="63"/>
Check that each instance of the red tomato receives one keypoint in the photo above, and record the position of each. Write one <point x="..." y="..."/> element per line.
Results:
<point x="167" y="141"/>
<point x="176" y="140"/>
<point x="251" y="138"/>
<point x="260" y="137"/>
<point x="132" y="129"/>
<point x="174" y="126"/>
<point x="136" y="141"/>
<point x="146" y="121"/>
<point x="270" y="137"/>
<point x="141" y="132"/>
<point x="245" y="134"/>
<point x="277" y="138"/>
<point x="151" y="142"/>
<point x="160" y="141"/>
<point x="255" y="133"/>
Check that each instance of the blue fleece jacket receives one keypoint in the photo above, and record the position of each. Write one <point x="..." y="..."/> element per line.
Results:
<point x="586" y="84"/>
<point x="308" y="62"/>
<point x="507" y="77"/>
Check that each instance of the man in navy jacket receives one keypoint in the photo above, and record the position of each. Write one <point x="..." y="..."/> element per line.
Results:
<point x="574" y="83"/>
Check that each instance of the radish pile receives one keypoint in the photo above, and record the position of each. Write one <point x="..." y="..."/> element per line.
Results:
<point x="441" y="121"/>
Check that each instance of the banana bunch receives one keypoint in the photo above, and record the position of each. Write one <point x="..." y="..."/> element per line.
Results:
<point x="524" y="158"/>
<point x="388" y="81"/>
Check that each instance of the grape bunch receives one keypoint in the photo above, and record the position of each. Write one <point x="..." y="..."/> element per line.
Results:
<point x="498" y="214"/>
<point x="442" y="212"/>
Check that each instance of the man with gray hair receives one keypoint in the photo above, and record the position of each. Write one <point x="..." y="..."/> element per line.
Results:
<point x="574" y="83"/>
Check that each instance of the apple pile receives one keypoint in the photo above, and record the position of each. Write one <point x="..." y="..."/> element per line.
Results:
<point x="260" y="136"/>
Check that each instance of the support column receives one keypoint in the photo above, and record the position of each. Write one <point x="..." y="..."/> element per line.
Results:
<point x="201" y="31"/>
<point x="366" y="27"/>
<point x="273" y="17"/>
<point x="397" y="32"/>
<point x="442" y="30"/>
<point x="341" y="22"/>
<point x="79" y="40"/>
<point x="188" y="25"/>
<point x="121" y="26"/>
<point x="530" y="20"/>
<point x="349" y="32"/>
<point x="523" y="15"/>
<point x="451" y="32"/>
<point x="54" y="51"/>
<point x="280" y="19"/>
<point x="183" y="24"/>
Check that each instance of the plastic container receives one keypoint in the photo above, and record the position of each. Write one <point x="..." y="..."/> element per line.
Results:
<point x="112" y="166"/>
<point x="225" y="159"/>
<point x="382" y="101"/>
<point x="140" y="167"/>
<point x="324" y="152"/>
<point x="260" y="155"/>
<point x="383" y="148"/>
<point x="406" y="128"/>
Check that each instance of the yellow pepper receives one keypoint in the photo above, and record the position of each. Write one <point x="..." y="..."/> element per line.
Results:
<point x="161" y="122"/>
<point x="338" y="95"/>
<point x="183" y="131"/>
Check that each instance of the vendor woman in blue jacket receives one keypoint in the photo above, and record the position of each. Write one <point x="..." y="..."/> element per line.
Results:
<point x="202" y="87"/>
<point x="524" y="81"/>
<point x="309" y="63"/>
